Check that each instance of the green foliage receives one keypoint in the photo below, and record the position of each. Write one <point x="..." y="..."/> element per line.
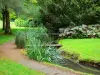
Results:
<point x="62" y="13"/>
<point x="9" y="67"/>
<point x="41" y="34"/>
<point x="19" y="22"/>
<point x="23" y="36"/>
<point x="35" y="41"/>
<point x="34" y="49"/>
<point x="53" y="55"/>
<point x="20" y="39"/>
<point x="84" y="31"/>
<point x="33" y="12"/>
<point x="12" y="15"/>
<point x="12" y="4"/>
<point x="38" y="51"/>
<point x="22" y="23"/>
<point x="0" y="16"/>
<point x="36" y="46"/>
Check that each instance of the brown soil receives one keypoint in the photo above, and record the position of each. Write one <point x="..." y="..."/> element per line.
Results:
<point x="9" y="50"/>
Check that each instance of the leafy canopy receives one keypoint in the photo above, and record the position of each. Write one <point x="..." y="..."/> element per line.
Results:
<point x="62" y="13"/>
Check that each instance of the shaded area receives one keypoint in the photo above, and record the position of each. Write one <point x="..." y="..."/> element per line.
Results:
<point x="77" y="67"/>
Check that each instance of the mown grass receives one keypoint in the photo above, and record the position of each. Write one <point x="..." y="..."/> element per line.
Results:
<point x="8" y="67"/>
<point x="6" y="38"/>
<point x="89" y="49"/>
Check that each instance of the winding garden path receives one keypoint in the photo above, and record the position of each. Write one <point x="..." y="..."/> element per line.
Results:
<point x="9" y="50"/>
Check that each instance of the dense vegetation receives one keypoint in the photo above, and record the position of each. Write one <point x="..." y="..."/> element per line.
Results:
<point x="35" y="41"/>
<point x="62" y="13"/>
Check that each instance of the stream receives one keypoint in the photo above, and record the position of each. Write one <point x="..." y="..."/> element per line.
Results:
<point x="78" y="67"/>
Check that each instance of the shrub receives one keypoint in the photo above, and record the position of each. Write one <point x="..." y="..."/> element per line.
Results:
<point x="36" y="46"/>
<point x="34" y="49"/>
<point x="83" y="31"/>
<point x="23" y="23"/>
<point x="39" y="33"/>
<point x="63" y="13"/>
<point x="13" y="15"/>
<point x="20" y="22"/>
<point x="53" y="55"/>
<point x="35" y="41"/>
<point x="20" y="39"/>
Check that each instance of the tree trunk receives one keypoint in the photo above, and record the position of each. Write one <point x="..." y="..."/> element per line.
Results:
<point x="4" y="19"/>
<point x="7" y="28"/>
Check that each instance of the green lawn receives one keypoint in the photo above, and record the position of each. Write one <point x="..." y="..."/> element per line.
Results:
<point x="8" y="67"/>
<point x="6" y="38"/>
<point x="89" y="49"/>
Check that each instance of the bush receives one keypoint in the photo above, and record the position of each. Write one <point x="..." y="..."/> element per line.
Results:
<point x="34" y="49"/>
<point x="53" y="55"/>
<point x="23" y="23"/>
<point x="20" y="39"/>
<point x="39" y="33"/>
<point x="84" y="31"/>
<point x="38" y="51"/>
<point x="20" y="22"/>
<point x="13" y="15"/>
<point x="36" y="46"/>
<point x="35" y="41"/>
<point x="63" y="13"/>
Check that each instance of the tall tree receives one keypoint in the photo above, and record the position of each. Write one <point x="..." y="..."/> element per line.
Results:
<point x="62" y="13"/>
<point x="5" y="5"/>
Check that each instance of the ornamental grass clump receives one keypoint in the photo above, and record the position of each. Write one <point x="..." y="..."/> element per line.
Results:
<point x="37" y="51"/>
<point x="36" y="46"/>
<point x="35" y="43"/>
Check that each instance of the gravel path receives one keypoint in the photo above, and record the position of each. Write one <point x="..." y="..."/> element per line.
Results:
<point x="9" y="50"/>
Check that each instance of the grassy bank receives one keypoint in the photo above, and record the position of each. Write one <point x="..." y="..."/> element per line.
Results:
<point x="89" y="49"/>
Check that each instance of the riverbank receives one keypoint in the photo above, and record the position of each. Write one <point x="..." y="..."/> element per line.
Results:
<point x="85" y="49"/>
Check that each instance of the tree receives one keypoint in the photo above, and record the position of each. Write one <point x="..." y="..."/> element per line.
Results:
<point x="62" y="13"/>
<point x="5" y="5"/>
